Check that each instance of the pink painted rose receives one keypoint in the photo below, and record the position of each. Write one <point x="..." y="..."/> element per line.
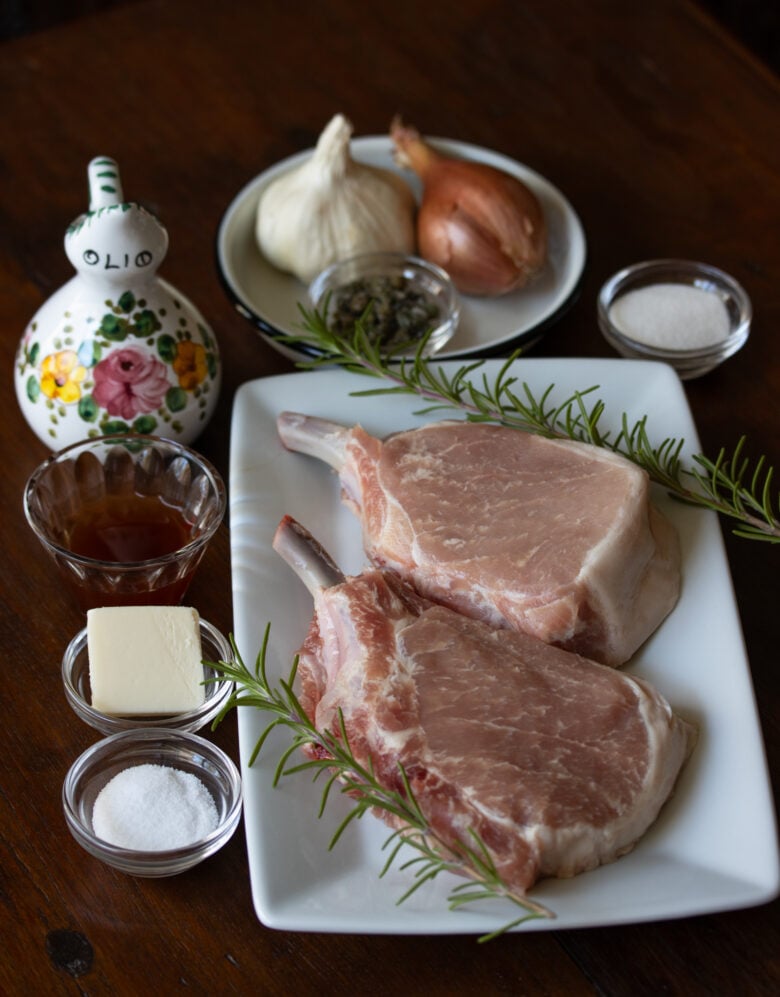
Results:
<point x="130" y="382"/>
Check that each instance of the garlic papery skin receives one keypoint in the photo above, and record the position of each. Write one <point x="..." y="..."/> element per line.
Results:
<point x="332" y="207"/>
<point x="482" y="225"/>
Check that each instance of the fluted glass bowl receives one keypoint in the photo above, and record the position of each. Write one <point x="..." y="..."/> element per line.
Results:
<point x="92" y="771"/>
<point x="75" y="680"/>
<point x="80" y="482"/>
<point x="689" y="363"/>
<point x="387" y="274"/>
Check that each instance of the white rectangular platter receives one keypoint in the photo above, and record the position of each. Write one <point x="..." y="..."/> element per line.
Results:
<point x="714" y="846"/>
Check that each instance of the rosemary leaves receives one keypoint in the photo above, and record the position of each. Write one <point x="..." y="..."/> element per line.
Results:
<point x="735" y="486"/>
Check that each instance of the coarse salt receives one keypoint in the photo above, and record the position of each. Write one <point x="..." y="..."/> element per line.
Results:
<point x="671" y="316"/>
<point x="153" y="808"/>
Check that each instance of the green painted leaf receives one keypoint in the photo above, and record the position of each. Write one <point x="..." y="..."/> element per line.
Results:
<point x="146" y="323"/>
<point x="208" y="339"/>
<point x="127" y="301"/>
<point x="33" y="388"/>
<point x="166" y="347"/>
<point x="145" y="424"/>
<point x="112" y="426"/>
<point x="113" y="328"/>
<point x="176" y="399"/>
<point x="88" y="408"/>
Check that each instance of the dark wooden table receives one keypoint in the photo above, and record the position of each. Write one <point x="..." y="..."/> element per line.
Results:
<point x="665" y="135"/>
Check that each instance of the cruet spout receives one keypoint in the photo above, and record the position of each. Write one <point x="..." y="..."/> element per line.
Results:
<point x="105" y="185"/>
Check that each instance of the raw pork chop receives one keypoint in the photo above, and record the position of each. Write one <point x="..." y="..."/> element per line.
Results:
<point x="558" y="763"/>
<point x="552" y="537"/>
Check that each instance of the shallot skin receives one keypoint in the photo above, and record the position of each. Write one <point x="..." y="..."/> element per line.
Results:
<point x="482" y="225"/>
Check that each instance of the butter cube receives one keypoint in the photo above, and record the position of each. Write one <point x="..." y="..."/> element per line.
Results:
<point x="145" y="660"/>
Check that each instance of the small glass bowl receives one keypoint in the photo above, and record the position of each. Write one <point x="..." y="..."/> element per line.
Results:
<point x="688" y="363"/>
<point x="418" y="275"/>
<point x="75" y="679"/>
<point x="186" y="752"/>
<point x="85" y="480"/>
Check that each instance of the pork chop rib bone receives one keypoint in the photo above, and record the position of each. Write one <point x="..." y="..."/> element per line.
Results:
<point x="553" y="537"/>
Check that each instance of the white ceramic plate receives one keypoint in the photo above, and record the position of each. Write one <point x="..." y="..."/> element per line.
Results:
<point x="269" y="298"/>
<point x="714" y="846"/>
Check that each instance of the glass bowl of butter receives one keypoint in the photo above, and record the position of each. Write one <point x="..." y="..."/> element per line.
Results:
<point x="135" y="667"/>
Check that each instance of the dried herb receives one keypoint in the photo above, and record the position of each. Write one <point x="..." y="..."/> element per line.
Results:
<point x="392" y="311"/>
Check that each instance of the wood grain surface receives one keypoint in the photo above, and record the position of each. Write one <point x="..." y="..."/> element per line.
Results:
<point x="663" y="132"/>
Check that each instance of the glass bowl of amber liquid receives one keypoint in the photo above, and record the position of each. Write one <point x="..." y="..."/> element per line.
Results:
<point x="126" y="519"/>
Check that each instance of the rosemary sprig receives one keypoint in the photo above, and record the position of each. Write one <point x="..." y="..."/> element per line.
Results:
<point x="732" y="485"/>
<point x="338" y="767"/>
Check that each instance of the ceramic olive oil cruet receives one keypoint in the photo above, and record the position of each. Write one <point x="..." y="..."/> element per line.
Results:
<point x="116" y="349"/>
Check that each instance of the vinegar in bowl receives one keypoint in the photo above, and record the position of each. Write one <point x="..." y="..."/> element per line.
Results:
<point x="128" y="528"/>
<point x="126" y="519"/>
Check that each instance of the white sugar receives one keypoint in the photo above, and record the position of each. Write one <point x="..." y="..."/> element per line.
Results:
<point x="154" y="808"/>
<point x="672" y="316"/>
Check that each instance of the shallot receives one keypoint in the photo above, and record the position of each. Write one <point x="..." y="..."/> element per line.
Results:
<point x="482" y="225"/>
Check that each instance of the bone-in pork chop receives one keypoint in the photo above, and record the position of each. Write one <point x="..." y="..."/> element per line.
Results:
<point x="552" y="537"/>
<point x="558" y="763"/>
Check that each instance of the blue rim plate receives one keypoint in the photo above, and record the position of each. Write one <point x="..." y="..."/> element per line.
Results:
<point x="269" y="299"/>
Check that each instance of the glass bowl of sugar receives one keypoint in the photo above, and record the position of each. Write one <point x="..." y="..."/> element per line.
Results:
<point x="152" y="802"/>
<point x="687" y="314"/>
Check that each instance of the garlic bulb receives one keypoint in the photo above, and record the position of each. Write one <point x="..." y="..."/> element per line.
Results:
<point x="480" y="224"/>
<point x="332" y="207"/>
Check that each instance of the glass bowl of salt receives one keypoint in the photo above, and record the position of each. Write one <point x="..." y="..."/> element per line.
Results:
<point x="152" y="802"/>
<point x="690" y="315"/>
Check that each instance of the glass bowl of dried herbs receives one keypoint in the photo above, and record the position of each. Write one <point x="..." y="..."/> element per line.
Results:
<point x="399" y="302"/>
